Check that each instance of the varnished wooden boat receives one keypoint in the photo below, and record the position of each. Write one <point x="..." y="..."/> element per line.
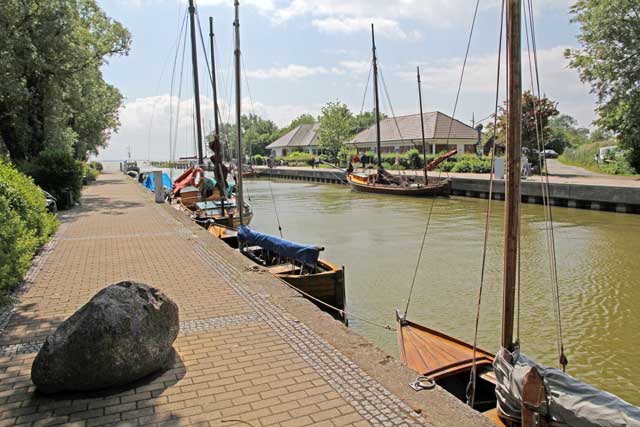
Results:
<point x="447" y="361"/>
<point x="365" y="184"/>
<point x="324" y="281"/>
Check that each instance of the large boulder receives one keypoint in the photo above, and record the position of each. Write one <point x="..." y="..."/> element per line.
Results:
<point x="125" y="332"/>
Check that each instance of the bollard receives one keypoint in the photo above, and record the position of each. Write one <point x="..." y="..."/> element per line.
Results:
<point x="159" y="189"/>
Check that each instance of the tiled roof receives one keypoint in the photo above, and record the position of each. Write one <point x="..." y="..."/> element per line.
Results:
<point x="436" y="126"/>
<point x="300" y="136"/>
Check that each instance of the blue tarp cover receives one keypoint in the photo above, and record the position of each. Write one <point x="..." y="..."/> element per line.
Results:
<point x="284" y="248"/>
<point x="166" y="182"/>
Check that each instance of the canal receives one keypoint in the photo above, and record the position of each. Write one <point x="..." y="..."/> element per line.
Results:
<point x="377" y="239"/>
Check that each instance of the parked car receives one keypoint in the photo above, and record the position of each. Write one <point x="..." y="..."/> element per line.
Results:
<point x="52" y="202"/>
<point x="549" y="154"/>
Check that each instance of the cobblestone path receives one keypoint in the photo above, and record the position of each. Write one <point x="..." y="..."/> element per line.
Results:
<point x="242" y="359"/>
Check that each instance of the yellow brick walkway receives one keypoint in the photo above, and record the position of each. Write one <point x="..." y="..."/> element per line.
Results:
<point x="242" y="359"/>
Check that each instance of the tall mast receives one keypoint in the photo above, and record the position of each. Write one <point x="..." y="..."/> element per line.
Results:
<point x="512" y="203"/>
<point x="375" y="92"/>
<point x="424" y="146"/>
<point x="236" y="24"/>
<point x="213" y="81"/>
<point x="196" y="84"/>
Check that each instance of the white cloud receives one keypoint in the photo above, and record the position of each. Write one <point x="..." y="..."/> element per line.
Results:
<point x="356" y="67"/>
<point x="558" y="82"/>
<point x="289" y="72"/>
<point x="386" y="27"/>
<point x="145" y="124"/>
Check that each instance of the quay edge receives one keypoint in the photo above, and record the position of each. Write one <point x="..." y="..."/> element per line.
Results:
<point x="571" y="195"/>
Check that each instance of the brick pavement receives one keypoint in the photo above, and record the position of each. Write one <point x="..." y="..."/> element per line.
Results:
<point x="242" y="358"/>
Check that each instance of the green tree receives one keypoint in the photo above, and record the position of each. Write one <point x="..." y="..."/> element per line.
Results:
<point x="336" y="127"/>
<point x="52" y="95"/>
<point x="564" y="132"/>
<point x="364" y="121"/>
<point x="536" y="112"/>
<point x="609" y="59"/>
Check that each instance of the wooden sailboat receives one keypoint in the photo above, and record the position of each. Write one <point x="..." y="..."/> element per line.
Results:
<point x="383" y="182"/>
<point x="296" y="264"/>
<point x="508" y="387"/>
<point x="205" y="200"/>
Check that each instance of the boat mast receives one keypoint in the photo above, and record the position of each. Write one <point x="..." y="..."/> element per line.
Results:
<point x="424" y="147"/>
<point x="217" y="144"/>
<point x="375" y="92"/>
<point x="240" y="199"/>
<point x="196" y="85"/>
<point x="512" y="201"/>
<point x="216" y="124"/>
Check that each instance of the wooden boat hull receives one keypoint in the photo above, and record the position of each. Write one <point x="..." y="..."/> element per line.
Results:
<point x="438" y="189"/>
<point x="327" y="286"/>
<point x="447" y="360"/>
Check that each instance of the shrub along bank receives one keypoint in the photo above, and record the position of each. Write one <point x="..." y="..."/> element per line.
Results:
<point x="584" y="156"/>
<point x="25" y="225"/>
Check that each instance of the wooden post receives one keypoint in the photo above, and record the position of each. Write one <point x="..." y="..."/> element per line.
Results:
<point x="512" y="203"/>
<point x="375" y="96"/>
<point x="240" y="198"/>
<point x="196" y="85"/>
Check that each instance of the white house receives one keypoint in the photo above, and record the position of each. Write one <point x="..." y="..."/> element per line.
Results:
<point x="301" y="138"/>
<point x="401" y="134"/>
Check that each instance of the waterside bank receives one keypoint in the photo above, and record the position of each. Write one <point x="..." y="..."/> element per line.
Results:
<point x="616" y="195"/>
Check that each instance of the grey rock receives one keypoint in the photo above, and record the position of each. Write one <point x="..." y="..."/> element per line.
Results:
<point x="124" y="333"/>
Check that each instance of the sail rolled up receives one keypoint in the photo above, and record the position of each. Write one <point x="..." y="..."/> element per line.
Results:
<point x="569" y="402"/>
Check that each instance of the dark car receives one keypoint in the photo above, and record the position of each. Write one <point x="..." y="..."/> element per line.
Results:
<point x="549" y="154"/>
<point x="52" y="202"/>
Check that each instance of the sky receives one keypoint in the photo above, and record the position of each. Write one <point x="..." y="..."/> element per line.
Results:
<point x="300" y="54"/>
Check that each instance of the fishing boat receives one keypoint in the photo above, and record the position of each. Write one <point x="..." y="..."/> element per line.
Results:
<point x="383" y="182"/>
<point x="298" y="265"/>
<point x="205" y="199"/>
<point x="508" y="387"/>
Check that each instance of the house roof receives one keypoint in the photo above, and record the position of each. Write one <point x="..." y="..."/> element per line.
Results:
<point x="437" y="125"/>
<point x="301" y="136"/>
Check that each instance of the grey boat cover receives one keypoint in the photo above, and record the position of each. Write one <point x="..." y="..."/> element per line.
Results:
<point x="569" y="401"/>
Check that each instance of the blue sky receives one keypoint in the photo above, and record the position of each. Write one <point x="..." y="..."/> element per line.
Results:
<point x="301" y="54"/>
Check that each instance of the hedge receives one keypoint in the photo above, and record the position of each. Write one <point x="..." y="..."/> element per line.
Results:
<point x="25" y="225"/>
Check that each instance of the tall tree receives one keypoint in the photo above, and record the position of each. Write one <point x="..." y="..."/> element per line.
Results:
<point x="536" y="112"/>
<point x="52" y="95"/>
<point x="335" y="128"/>
<point x="609" y="59"/>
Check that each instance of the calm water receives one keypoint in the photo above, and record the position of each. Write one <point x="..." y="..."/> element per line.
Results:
<point x="377" y="239"/>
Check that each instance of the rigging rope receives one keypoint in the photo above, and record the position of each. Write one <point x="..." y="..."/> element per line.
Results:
<point x="174" y="131"/>
<point x="366" y="88"/>
<point x="550" y="232"/>
<point x="471" y="386"/>
<point x="433" y="200"/>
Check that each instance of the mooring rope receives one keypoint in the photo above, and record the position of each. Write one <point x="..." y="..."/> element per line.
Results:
<point x="471" y="386"/>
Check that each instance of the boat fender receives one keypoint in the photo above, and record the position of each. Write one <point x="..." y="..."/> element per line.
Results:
<point x="423" y="383"/>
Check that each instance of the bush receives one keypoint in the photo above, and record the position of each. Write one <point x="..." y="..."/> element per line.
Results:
<point x="471" y="164"/>
<point x="299" y="158"/>
<point x="259" y="160"/>
<point x="58" y="173"/>
<point x="27" y="201"/>
<point x="89" y="174"/>
<point x="96" y="165"/>
<point x="17" y="245"/>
